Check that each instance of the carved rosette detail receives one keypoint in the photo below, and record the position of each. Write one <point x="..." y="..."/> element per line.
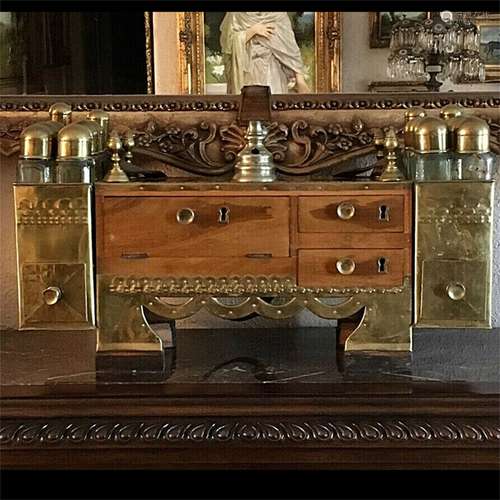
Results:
<point x="393" y="432"/>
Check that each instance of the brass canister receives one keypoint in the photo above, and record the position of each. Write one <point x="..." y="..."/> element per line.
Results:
<point x="411" y="119"/>
<point x="36" y="142"/>
<point x="102" y="118"/>
<point x="453" y="115"/>
<point x="60" y="112"/>
<point x="95" y="130"/>
<point x="472" y="135"/>
<point x="74" y="141"/>
<point x="430" y="135"/>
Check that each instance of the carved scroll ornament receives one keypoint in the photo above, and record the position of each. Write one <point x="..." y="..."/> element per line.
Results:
<point x="299" y="148"/>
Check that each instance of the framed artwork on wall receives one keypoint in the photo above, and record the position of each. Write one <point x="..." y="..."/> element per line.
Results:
<point x="381" y="24"/>
<point x="489" y="40"/>
<point x="292" y="52"/>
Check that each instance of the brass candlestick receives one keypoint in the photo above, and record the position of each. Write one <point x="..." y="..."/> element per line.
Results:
<point x="391" y="172"/>
<point x="128" y="145"/>
<point x="116" y="174"/>
<point x="379" y="165"/>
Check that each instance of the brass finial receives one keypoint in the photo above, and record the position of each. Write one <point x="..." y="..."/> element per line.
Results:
<point x="60" y="112"/>
<point x="128" y="145"/>
<point x="116" y="174"/>
<point x="391" y="171"/>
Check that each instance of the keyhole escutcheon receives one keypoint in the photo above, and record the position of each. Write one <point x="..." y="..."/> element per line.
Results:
<point x="382" y="264"/>
<point x="383" y="213"/>
<point x="224" y="215"/>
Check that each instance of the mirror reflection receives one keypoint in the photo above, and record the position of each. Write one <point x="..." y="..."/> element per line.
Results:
<point x="219" y="52"/>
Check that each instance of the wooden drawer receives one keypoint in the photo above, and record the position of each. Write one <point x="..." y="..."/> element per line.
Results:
<point x="351" y="214"/>
<point x="321" y="267"/>
<point x="162" y="226"/>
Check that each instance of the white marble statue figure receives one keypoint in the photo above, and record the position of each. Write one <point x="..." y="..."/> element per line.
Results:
<point x="260" y="48"/>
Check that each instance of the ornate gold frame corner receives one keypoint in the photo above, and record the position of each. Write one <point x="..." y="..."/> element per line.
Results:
<point x="328" y="25"/>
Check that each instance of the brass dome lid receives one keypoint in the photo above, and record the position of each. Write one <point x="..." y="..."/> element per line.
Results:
<point x="96" y="131"/>
<point x="36" y="142"/>
<point x="74" y="141"/>
<point x="472" y="135"/>
<point x="430" y="135"/>
<point x="414" y="112"/>
<point x="102" y="118"/>
<point x="60" y="112"/>
<point x="451" y="111"/>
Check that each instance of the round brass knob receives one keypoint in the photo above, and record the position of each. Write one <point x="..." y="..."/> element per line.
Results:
<point x="52" y="295"/>
<point x="345" y="266"/>
<point x="346" y="211"/>
<point x="456" y="291"/>
<point x="185" y="216"/>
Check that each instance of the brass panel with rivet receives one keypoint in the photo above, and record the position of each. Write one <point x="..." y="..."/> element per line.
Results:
<point x="453" y="252"/>
<point x="54" y="256"/>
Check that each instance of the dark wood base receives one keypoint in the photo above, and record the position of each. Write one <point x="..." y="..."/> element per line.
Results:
<point x="252" y="399"/>
<point x="154" y="366"/>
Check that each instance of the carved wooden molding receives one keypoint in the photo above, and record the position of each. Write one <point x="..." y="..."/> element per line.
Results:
<point x="322" y="431"/>
<point x="290" y="102"/>
<point x="299" y="148"/>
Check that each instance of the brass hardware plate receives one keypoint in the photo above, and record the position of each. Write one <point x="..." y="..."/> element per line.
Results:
<point x="54" y="256"/>
<point x="122" y="300"/>
<point x="453" y="254"/>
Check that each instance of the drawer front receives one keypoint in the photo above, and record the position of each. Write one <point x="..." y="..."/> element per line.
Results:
<point x="195" y="227"/>
<point x="355" y="214"/>
<point x="347" y="267"/>
<point x="454" y="292"/>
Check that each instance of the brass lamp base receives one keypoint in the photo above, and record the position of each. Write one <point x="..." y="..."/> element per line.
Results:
<point x="255" y="161"/>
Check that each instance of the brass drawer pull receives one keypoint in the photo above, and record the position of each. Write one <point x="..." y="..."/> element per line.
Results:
<point x="345" y="266"/>
<point x="185" y="215"/>
<point x="456" y="291"/>
<point x="346" y="211"/>
<point x="52" y="295"/>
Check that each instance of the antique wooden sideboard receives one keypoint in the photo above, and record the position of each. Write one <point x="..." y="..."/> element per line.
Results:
<point x="380" y="258"/>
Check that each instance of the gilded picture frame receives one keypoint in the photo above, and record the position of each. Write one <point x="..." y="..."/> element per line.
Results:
<point x="380" y="33"/>
<point x="327" y="50"/>
<point x="489" y="39"/>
